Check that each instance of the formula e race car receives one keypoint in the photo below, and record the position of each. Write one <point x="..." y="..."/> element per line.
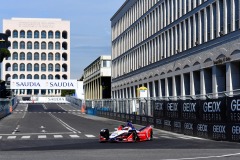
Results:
<point x="127" y="133"/>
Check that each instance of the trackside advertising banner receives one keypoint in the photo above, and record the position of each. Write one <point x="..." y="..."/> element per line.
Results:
<point x="43" y="84"/>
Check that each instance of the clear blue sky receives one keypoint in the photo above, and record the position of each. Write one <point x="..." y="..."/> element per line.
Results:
<point x="90" y="24"/>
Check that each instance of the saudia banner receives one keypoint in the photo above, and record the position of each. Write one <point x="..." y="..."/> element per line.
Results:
<point x="43" y="84"/>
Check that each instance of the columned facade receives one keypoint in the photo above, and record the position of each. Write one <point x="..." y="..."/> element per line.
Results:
<point x="176" y="48"/>
<point x="97" y="79"/>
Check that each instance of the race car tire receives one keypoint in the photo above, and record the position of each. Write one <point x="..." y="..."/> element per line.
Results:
<point x="151" y="136"/>
<point x="105" y="133"/>
<point x="134" y="135"/>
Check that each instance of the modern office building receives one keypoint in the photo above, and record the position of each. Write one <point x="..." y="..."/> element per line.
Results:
<point x="176" y="47"/>
<point x="40" y="49"/>
<point x="97" y="79"/>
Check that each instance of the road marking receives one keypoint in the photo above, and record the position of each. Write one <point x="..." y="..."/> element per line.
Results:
<point x="44" y="106"/>
<point x="58" y="136"/>
<point x="167" y="137"/>
<point x="74" y="136"/>
<point x="11" y="137"/>
<point x="42" y="136"/>
<point x="26" y="108"/>
<point x="25" y="137"/>
<point x="209" y="157"/>
<point x="61" y="107"/>
<point x="24" y="115"/>
<point x="0" y="137"/>
<point x="89" y="135"/>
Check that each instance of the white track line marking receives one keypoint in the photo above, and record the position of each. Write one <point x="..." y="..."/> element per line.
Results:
<point x="11" y="137"/>
<point x="42" y="136"/>
<point x="58" y="136"/>
<point x="0" y="137"/>
<point x="74" y="136"/>
<point x="89" y="135"/>
<point x="167" y="137"/>
<point x="209" y="157"/>
<point x="44" y="106"/>
<point x="25" y="137"/>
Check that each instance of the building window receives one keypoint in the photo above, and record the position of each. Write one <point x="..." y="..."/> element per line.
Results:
<point x="50" y="67"/>
<point x="50" y="45"/>
<point x="50" y="56"/>
<point x="29" y="76"/>
<point x="15" y="45"/>
<point x="22" y="34"/>
<point x="22" y="45"/>
<point x="43" y="45"/>
<point x="50" y="76"/>
<point x="15" y="56"/>
<point x="36" y="67"/>
<point x="36" y="45"/>
<point x="29" y="45"/>
<point x="15" y="34"/>
<point x="29" y="34"/>
<point x="29" y="56"/>
<point x="57" y="35"/>
<point x="57" y="68"/>
<point x="43" y="34"/>
<point x="57" y="46"/>
<point x="57" y="57"/>
<point x="15" y="76"/>
<point x="22" y="67"/>
<point x="43" y="56"/>
<point x="43" y="76"/>
<point x="29" y="67"/>
<point x="36" y="34"/>
<point x="43" y="67"/>
<point x="106" y="63"/>
<point x="36" y="56"/>
<point x="50" y="34"/>
<point x="22" y="56"/>
<point x="22" y="76"/>
<point x="36" y="76"/>
<point x="15" y="67"/>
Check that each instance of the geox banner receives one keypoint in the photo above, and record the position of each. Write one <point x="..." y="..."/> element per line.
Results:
<point x="43" y="84"/>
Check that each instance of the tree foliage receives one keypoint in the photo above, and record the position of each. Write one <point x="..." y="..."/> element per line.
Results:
<point x="67" y="92"/>
<point x="4" y="53"/>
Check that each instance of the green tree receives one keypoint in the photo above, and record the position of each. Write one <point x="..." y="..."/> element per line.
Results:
<point x="4" y="53"/>
<point x="67" y="92"/>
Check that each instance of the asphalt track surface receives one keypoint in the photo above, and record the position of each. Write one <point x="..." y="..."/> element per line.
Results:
<point x="60" y="131"/>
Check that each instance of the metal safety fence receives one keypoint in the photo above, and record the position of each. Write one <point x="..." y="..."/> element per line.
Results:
<point x="7" y="106"/>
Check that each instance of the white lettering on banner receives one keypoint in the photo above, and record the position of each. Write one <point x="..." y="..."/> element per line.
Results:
<point x="188" y="126"/>
<point x="56" y="99"/>
<point x="202" y="127"/>
<point x="167" y="123"/>
<point x="219" y="129"/>
<point x="177" y="124"/>
<point x="189" y="107"/>
<point x="235" y="105"/>
<point x="159" y="106"/>
<point x="172" y="107"/>
<point x="61" y="84"/>
<point x="235" y="129"/>
<point x="211" y="106"/>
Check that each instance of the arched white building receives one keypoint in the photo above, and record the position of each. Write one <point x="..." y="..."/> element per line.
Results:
<point x="40" y="49"/>
<point x="176" y="47"/>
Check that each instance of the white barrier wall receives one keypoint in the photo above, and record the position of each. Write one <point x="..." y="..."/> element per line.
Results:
<point x="46" y="100"/>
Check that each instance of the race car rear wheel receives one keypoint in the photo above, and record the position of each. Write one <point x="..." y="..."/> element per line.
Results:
<point x="134" y="136"/>
<point x="151" y="136"/>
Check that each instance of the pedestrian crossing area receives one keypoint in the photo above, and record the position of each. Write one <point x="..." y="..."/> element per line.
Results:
<point x="44" y="136"/>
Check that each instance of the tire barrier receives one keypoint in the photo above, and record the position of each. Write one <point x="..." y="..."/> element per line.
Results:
<point x="216" y="119"/>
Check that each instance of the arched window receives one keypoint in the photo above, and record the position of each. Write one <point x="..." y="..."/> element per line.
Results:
<point x="43" y="45"/>
<point x="29" y="76"/>
<point x="57" y="45"/>
<point x="57" y="68"/>
<point x="29" y="67"/>
<point x="29" y="56"/>
<point x="43" y="56"/>
<point x="15" y="56"/>
<point x="57" y="34"/>
<point x="22" y="56"/>
<point x="57" y="57"/>
<point x="22" y="76"/>
<point x="50" y="56"/>
<point x="22" y="34"/>
<point x="15" y="34"/>
<point x="36" y="76"/>
<point x="15" y="45"/>
<point x="22" y="45"/>
<point x="36" y="56"/>
<point x="29" y="45"/>
<point x="22" y="67"/>
<point x="36" y="67"/>
<point x="50" y="76"/>
<point x="43" y="67"/>
<point x="29" y="34"/>
<point x="43" y="76"/>
<point x="50" y="45"/>
<point x="50" y="67"/>
<point x="15" y="76"/>
<point x="64" y="34"/>
<point x="15" y="67"/>
<point x="50" y="34"/>
<point x="43" y="34"/>
<point x="36" y="45"/>
<point x="36" y="34"/>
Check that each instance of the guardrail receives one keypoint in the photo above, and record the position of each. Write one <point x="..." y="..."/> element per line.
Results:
<point x="7" y="106"/>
